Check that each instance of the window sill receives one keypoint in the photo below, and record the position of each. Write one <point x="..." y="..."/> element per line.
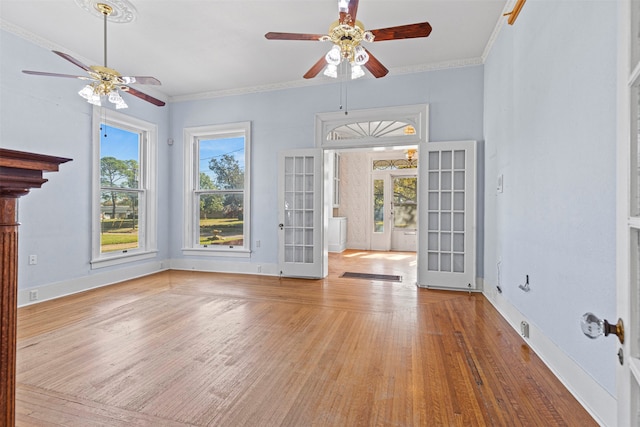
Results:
<point x="121" y="259"/>
<point x="237" y="253"/>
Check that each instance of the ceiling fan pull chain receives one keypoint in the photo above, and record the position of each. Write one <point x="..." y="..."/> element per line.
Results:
<point x="346" y="88"/>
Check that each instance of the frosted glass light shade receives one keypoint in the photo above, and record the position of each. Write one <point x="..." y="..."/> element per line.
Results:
<point x="356" y="72"/>
<point x="360" y="55"/>
<point x="331" y="71"/>
<point x="334" y="56"/>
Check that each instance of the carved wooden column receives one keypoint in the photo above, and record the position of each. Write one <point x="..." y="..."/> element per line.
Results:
<point x="19" y="172"/>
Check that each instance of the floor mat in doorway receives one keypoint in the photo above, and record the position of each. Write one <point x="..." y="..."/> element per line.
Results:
<point x="385" y="277"/>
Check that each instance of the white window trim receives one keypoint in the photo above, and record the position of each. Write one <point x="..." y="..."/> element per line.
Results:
<point x="148" y="174"/>
<point x="191" y="136"/>
<point x="416" y="115"/>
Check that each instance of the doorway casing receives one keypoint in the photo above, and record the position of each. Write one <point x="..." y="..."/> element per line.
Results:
<point x="371" y="133"/>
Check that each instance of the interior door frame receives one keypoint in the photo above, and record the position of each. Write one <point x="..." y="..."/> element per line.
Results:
<point x="417" y="115"/>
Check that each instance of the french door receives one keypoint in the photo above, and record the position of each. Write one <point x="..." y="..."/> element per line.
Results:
<point x="628" y="217"/>
<point x="446" y="255"/>
<point x="394" y="210"/>
<point x="301" y="249"/>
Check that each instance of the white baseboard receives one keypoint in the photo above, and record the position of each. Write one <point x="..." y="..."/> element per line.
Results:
<point x="92" y="281"/>
<point x="591" y="395"/>
<point x="97" y="280"/>
<point x="208" y="265"/>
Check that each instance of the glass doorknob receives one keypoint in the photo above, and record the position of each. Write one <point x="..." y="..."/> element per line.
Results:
<point x="593" y="327"/>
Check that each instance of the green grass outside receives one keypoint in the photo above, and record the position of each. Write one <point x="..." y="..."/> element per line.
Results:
<point x="118" y="239"/>
<point x="221" y="231"/>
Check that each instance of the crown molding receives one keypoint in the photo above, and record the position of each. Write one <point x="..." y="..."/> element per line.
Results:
<point x="321" y="80"/>
<point x="35" y="39"/>
<point x="496" y="30"/>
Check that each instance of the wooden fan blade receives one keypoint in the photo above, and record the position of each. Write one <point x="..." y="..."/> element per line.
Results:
<point x="422" y="29"/>
<point x="349" y="18"/>
<point x="317" y="67"/>
<point x="293" y="36"/>
<point x="141" y="95"/>
<point x="42" y="73"/>
<point x="375" y="67"/>
<point x="143" y="80"/>
<point x="72" y="60"/>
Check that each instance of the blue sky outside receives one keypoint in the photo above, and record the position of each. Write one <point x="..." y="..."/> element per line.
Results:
<point x="119" y="143"/>
<point x="210" y="148"/>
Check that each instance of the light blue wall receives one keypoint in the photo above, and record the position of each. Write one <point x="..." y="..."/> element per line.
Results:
<point x="45" y="115"/>
<point x="544" y="103"/>
<point x="285" y="119"/>
<point x="549" y="122"/>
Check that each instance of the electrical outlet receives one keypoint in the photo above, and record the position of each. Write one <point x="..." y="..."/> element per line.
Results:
<point x="257" y="243"/>
<point x="33" y="295"/>
<point x="33" y="259"/>
<point x="259" y="269"/>
<point x="524" y="329"/>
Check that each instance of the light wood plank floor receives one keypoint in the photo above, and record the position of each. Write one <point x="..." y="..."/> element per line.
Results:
<point x="183" y="348"/>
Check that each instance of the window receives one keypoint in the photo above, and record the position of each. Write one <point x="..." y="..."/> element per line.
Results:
<point x="124" y="206"/>
<point x="217" y="198"/>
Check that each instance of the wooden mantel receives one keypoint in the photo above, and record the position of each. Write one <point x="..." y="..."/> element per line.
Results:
<point x="19" y="173"/>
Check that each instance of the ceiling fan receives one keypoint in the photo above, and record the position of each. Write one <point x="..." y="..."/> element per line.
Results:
<point x="346" y="34"/>
<point x="105" y="83"/>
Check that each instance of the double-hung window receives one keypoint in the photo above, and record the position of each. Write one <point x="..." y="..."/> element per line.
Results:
<point x="124" y="201"/>
<point x="217" y="198"/>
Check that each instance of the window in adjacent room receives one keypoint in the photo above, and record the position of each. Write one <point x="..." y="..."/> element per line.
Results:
<point x="124" y="209"/>
<point x="217" y="201"/>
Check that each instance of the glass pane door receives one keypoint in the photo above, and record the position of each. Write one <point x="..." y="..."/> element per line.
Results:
<point x="449" y="174"/>
<point x="300" y="243"/>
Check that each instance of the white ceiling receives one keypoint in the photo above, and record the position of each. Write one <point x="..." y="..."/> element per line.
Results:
<point x="200" y="48"/>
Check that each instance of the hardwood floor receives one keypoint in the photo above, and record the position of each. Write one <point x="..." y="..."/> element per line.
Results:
<point x="183" y="348"/>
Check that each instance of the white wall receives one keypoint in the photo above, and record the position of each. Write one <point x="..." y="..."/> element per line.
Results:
<point x="549" y="122"/>
<point x="355" y="172"/>
<point x="46" y="115"/>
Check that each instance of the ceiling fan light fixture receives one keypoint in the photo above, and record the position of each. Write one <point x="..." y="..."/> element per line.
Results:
<point x="88" y="92"/>
<point x="356" y="71"/>
<point x="331" y="71"/>
<point x="116" y="99"/>
<point x="334" y="56"/>
<point x="360" y="55"/>
<point x="343" y="6"/>
<point x="368" y="36"/>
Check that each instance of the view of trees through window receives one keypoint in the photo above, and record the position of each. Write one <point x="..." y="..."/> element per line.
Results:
<point x="404" y="196"/>
<point x="221" y="191"/>
<point x="119" y="188"/>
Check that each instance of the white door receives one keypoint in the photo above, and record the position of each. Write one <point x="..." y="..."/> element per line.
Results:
<point x="404" y="211"/>
<point x="394" y="210"/>
<point x="446" y="255"/>
<point x="380" y="212"/>
<point x="301" y="251"/>
<point x="628" y="217"/>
